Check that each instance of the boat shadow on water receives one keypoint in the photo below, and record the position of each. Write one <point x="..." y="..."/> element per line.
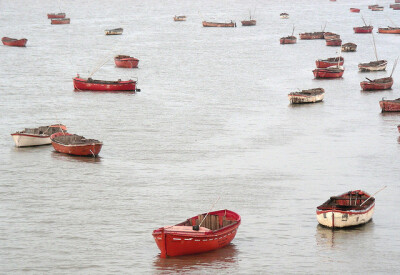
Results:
<point x="337" y="237"/>
<point x="220" y="259"/>
<point x="72" y="158"/>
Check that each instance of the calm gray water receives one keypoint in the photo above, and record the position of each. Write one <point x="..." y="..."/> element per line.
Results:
<point x="213" y="120"/>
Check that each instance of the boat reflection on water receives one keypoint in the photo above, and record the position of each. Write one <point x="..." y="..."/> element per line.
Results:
<point x="72" y="158"/>
<point x="329" y="237"/>
<point x="219" y="259"/>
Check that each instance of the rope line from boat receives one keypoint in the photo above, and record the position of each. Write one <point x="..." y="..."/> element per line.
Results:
<point x="374" y="194"/>
<point x="394" y="66"/>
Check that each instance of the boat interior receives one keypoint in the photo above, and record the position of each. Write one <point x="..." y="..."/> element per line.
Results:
<point x="74" y="139"/>
<point x="212" y="222"/>
<point x="42" y="130"/>
<point x="351" y="200"/>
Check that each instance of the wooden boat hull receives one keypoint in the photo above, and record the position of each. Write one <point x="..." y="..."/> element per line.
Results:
<point x="325" y="73"/>
<point x="55" y="15"/>
<point x="249" y="22"/>
<point x="366" y="67"/>
<point x="372" y="85"/>
<point x="379" y="8"/>
<point x="354" y="10"/>
<point x="128" y="62"/>
<point x="300" y="99"/>
<point x="14" y="42"/>
<point x="118" y="31"/>
<point x="349" y="47"/>
<point x="389" y="30"/>
<point x="180" y="18"/>
<point x="340" y="219"/>
<point x="390" y="105"/>
<point x="288" y="40"/>
<point x="188" y="241"/>
<point x="60" y="21"/>
<point x="219" y="25"/>
<point x="372" y="6"/>
<point x="85" y="150"/>
<point x="101" y="86"/>
<point x="284" y="16"/>
<point x="326" y="63"/>
<point x="364" y="29"/>
<point x="25" y="140"/>
<point x="333" y="42"/>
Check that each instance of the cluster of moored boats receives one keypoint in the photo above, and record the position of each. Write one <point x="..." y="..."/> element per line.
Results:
<point x="61" y="140"/>
<point x="58" y="18"/>
<point x="333" y="67"/>
<point x="231" y="24"/>
<point x="213" y="230"/>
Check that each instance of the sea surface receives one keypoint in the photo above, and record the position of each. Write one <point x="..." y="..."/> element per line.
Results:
<point x="212" y="123"/>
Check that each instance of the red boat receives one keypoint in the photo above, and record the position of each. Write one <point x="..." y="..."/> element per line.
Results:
<point x="397" y="1"/>
<point x="288" y="40"/>
<point x="354" y="10"/>
<point x="126" y="61"/>
<point x="390" y="105"/>
<point x="398" y="128"/>
<point x="363" y="29"/>
<point x="377" y="8"/>
<point x="330" y="72"/>
<point x="55" y="15"/>
<point x="389" y="30"/>
<point x="334" y="42"/>
<point x="60" y="21"/>
<point x="90" y="84"/>
<point x="332" y="61"/>
<point x="395" y="6"/>
<point x="372" y="6"/>
<point x="202" y="233"/>
<point x="75" y="145"/>
<point x="331" y="35"/>
<point x="377" y="84"/>
<point x="14" y="42"/>
<point x="311" y="35"/>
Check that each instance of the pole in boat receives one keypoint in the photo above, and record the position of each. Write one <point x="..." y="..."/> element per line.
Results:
<point x="374" y="194"/>
<point x="293" y="30"/>
<point x="373" y="40"/>
<point x="363" y="20"/>
<point x="197" y="227"/>
<point x="394" y="66"/>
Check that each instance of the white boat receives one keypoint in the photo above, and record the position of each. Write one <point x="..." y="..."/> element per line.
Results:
<point x="284" y="15"/>
<point x="117" y="31"/>
<point x="307" y="96"/>
<point x="349" y="209"/>
<point x="373" y="66"/>
<point x="36" y="136"/>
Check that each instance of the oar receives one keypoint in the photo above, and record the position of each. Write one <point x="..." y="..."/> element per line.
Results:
<point x="374" y="194"/>
<point x="369" y="79"/>
<point x="197" y="227"/>
<point x="394" y="66"/>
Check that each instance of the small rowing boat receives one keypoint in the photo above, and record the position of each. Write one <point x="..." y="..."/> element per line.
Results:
<point x="36" y="136"/>
<point x="349" y="209"/>
<point x="55" y="15"/>
<point x="377" y="84"/>
<point x="126" y="61"/>
<point x="75" y="145"/>
<point x="60" y="21"/>
<point x="201" y="233"/>
<point x="307" y="96"/>
<point x="332" y="61"/>
<point x="330" y="72"/>
<point x="7" y="41"/>
<point x="349" y="47"/>
<point x="117" y="31"/>
<point x="220" y="25"/>
<point x="180" y="18"/>
<point x="89" y="84"/>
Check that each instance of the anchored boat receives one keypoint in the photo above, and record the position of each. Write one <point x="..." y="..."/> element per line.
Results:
<point x="117" y="31"/>
<point x="377" y="84"/>
<point x="307" y="96"/>
<point x="55" y="15"/>
<point x="332" y="61"/>
<point x="330" y="72"/>
<point x="126" y="61"/>
<point x="349" y="47"/>
<point x="36" y="136"/>
<point x="90" y="84"/>
<point x="202" y="233"/>
<point x="7" y="41"/>
<point x="349" y="209"/>
<point x="75" y="145"/>
<point x="221" y="25"/>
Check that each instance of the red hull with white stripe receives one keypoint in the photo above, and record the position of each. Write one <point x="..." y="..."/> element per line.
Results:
<point x="88" y="149"/>
<point x="182" y="239"/>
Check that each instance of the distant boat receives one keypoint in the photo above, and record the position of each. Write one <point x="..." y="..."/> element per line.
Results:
<point x="372" y="6"/>
<point x="36" y="136"/>
<point x="377" y="84"/>
<point x="377" y="8"/>
<point x="354" y="10"/>
<point x="60" y="21"/>
<point x="117" y="31"/>
<point x="126" y="61"/>
<point x="89" y="84"/>
<point x="201" y="233"/>
<point x="363" y="29"/>
<point x="333" y="42"/>
<point x="14" y="42"/>
<point x="332" y="61"/>
<point x="180" y="18"/>
<point x="349" y="47"/>
<point x="215" y="24"/>
<point x="288" y="40"/>
<point x="331" y="35"/>
<point x="330" y="72"/>
<point x="379" y="65"/>
<point x="349" y="209"/>
<point x="390" y="105"/>
<point x="394" y="30"/>
<point x="56" y="15"/>
<point x="395" y="6"/>
<point x="397" y="1"/>
<point x="284" y="15"/>
<point x="250" y="22"/>
<point x="398" y="128"/>
<point x="75" y="145"/>
<point x="307" y="96"/>
<point x="311" y="35"/>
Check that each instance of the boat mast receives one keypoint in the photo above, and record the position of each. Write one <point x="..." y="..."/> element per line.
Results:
<point x="373" y="39"/>
<point x="394" y="66"/>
